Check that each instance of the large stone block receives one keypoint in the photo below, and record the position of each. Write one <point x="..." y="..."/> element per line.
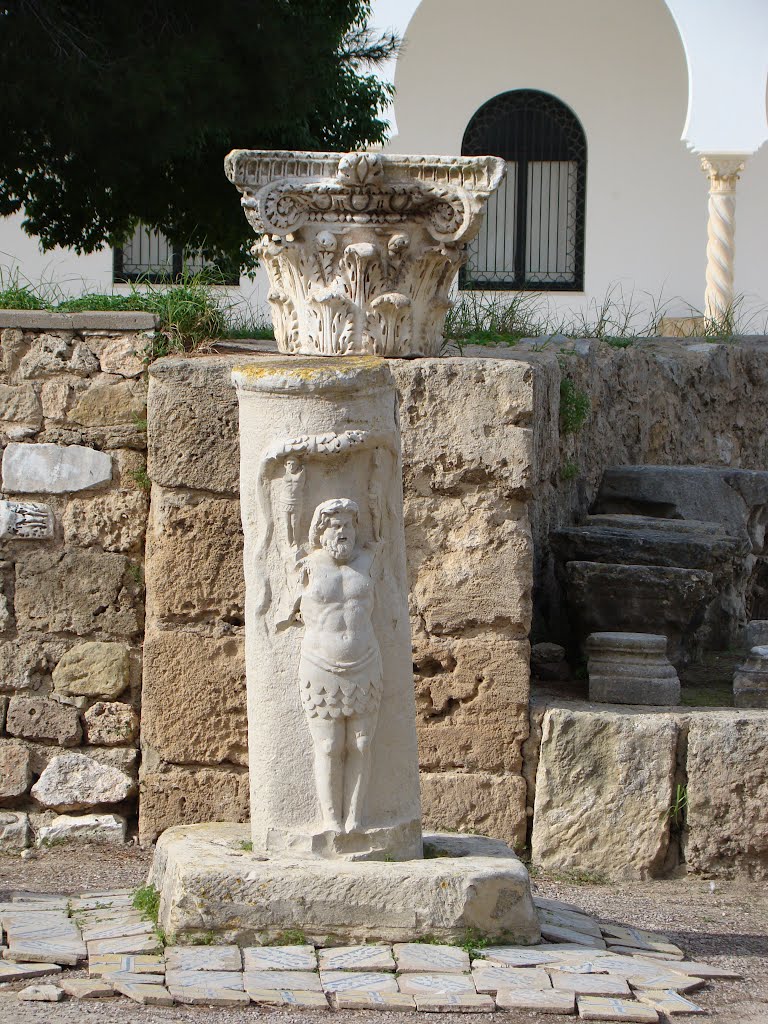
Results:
<point x="38" y="718"/>
<point x="26" y="663"/>
<point x="81" y="592"/>
<point x="54" y="468"/>
<point x="604" y="787"/>
<point x="93" y="669"/>
<point x="111" y="724"/>
<point x="195" y="558"/>
<point x="20" y="404"/>
<point x="181" y="796"/>
<point x="121" y="354"/>
<point x="727" y="812"/>
<point x="74" y="782"/>
<point x="493" y="805"/>
<point x="111" y="405"/>
<point x="193" y="700"/>
<point x="98" y="829"/>
<point x="115" y="521"/>
<point x="15" y="771"/>
<point x="192" y="414"/>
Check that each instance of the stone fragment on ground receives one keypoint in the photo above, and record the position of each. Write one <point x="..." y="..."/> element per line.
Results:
<point x="83" y="828"/>
<point x="356" y="958"/>
<point x="19" y="972"/>
<point x="203" y="958"/>
<point x="279" y="958"/>
<point x="372" y="1001"/>
<point x="287" y="997"/>
<point x="536" y="1000"/>
<point x="42" y="994"/>
<point x="148" y="995"/>
<point x="670" y="1003"/>
<point x="559" y="933"/>
<point x="355" y="981"/>
<point x="87" y="988"/>
<point x="569" y="921"/>
<point x="422" y="956"/>
<point x="491" y="979"/>
<point x="594" y="1008"/>
<point x="454" y="1002"/>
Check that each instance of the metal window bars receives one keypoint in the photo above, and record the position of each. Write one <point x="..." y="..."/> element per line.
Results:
<point x="149" y="256"/>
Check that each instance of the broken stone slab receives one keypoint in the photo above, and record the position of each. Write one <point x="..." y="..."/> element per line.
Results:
<point x="569" y="921"/>
<point x="417" y="984"/>
<point x="148" y="995"/>
<point x="514" y="956"/>
<point x="208" y="995"/>
<point x="279" y="958"/>
<point x="101" y="829"/>
<point x="42" y="994"/>
<point x="18" y="972"/>
<point x="536" y="1000"/>
<point x="631" y="668"/>
<point x="491" y="979"/>
<point x="94" y="669"/>
<point x="372" y="1001"/>
<point x="422" y="956"/>
<point x="750" y="680"/>
<point x="118" y="929"/>
<point x="54" y="468"/>
<point x="25" y="520"/>
<point x="590" y="984"/>
<point x="394" y="901"/>
<point x="205" y="958"/>
<point x="48" y="951"/>
<point x="87" y="988"/>
<point x="606" y="597"/>
<point x="670" y="1003"/>
<point x="288" y="997"/>
<point x="126" y="944"/>
<point x="454" y="1002"/>
<point x="73" y="782"/>
<point x="297" y="981"/>
<point x="102" y="965"/>
<point x="356" y="958"/>
<point x="594" y="1008"/>
<point x="548" y="662"/>
<point x="356" y="981"/>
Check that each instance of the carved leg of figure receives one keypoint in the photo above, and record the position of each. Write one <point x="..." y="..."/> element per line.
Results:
<point x="290" y="525"/>
<point x="357" y="768"/>
<point x="328" y="741"/>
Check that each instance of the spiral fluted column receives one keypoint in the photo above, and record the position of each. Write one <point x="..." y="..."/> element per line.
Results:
<point x="723" y="173"/>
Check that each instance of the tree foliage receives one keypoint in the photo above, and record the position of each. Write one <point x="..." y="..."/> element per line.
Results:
<point x="114" y="113"/>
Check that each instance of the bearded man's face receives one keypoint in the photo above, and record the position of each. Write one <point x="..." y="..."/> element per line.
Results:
<point x="339" y="536"/>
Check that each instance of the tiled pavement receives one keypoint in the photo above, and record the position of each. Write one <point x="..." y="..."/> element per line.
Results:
<point x="598" y="971"/>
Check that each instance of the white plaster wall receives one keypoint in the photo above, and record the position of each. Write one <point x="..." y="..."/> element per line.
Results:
<point x="620" y="65"/>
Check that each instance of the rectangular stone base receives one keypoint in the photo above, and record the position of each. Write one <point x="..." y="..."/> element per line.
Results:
<point x="211" y="881"/>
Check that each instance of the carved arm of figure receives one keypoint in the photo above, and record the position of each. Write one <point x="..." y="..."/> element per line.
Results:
<point x="289" y="612"/>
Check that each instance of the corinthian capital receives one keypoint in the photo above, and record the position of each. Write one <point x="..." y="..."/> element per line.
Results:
<point x="722" y="170"/>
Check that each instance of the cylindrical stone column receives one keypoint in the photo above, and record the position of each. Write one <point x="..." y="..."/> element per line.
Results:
<point x="723" y="173"/>
<point x="331" y="712"/>
<point x="750" y="681"/>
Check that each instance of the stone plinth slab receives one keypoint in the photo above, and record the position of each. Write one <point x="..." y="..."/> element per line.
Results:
<point x="631" y="668"/>
<point x="209" y="883"/>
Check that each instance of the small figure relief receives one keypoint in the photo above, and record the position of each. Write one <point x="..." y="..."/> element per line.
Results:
<point x="340" y="668"/>
<point x="25" y="520"/>
<point x="291" y="490"/>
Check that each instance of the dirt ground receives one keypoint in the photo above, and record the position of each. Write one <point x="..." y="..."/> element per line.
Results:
<point x="720" y="922"/>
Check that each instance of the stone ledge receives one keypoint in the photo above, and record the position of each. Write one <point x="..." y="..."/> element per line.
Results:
<point x="43" y="320"/>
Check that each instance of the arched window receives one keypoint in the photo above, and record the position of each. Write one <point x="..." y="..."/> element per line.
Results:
<point x="532" y="237"/>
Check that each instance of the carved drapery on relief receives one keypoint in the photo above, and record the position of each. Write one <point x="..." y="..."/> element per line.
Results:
<point x="25" y="520"/>
<point x="362" y="249"/>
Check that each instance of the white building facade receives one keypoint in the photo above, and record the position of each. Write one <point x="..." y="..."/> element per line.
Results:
<point x="603" y="110"/>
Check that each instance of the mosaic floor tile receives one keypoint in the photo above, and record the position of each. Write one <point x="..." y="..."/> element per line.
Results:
<point x="280" y="958"/>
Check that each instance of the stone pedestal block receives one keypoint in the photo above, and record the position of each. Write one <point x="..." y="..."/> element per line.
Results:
<point x="210" y="881"/>
<point x="331" y="713"/>
<point x="750" y="681"/>
<point x="631" y="668"/>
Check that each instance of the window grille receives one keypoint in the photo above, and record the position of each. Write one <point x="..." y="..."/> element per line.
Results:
<point x="149" y="256"/>
<point x="532" y="236"/>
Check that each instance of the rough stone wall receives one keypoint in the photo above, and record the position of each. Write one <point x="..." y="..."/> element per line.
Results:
<point x="467" y="470"/>
<point x="73" y="437"/>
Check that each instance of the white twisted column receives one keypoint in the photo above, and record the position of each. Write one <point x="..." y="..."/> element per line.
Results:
<point x="723" y="173"/>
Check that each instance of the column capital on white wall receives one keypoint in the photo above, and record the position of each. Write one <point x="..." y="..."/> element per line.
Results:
<point x="723" y="170"/>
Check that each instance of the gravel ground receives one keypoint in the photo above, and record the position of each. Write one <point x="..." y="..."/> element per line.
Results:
<point x="723" y="923"/>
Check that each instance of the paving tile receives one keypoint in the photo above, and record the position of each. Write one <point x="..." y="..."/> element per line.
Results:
<point x="211" y="979"/>
<point x="491" y="979"/>
<point x="208" y="995"/>
<point x="454" y="1002"/>
<point x="87" y="988"/>
<point x="592" y="1008"/>
<point x="561" y="933"/>
<point x="415" y="984"/>
<point x="651" y="974"/>
<point x="101" y="900"/>
<point x="50" y="925"/>
<point x="356" y="958"/>
<point x="635" y="937"/>
<point x="203" y="958"/>
<point x="110" y="963"/>
<point x="424" y="956"/>
<point x="39" y="951"/>
<point x="117" y="930"/>
<point x="288" y="997"/>
<point x="131" y="978"/>
<point x="575" y="922"/>
<point x="131" y="944"/>
<point x="42" y="994"/>
<point x="18" y="972"/>
<point x="356" y="981"/>
<point x="578" y="965"/>
<point x="543" y="903"/>
<point x="91" y="918"/>
<point x="697" y="969"/>
<point x="26" y="896"/>
<point x="538" y="1000"/>
<point x="653" y="953"/>
<point x="42" y="907"/>
<point x="295" y="981"/>
<point x="590" y="984"/>
<point x="279" y="958"/>
<point x="515" y="956"/>
<point x="668" y="1002"/>
<point x="148" y="995"/>
<point x="372" y="1001"/>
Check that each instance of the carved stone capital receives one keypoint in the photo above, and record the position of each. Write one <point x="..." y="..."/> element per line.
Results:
<point x="361" y="249"/>
<point x="723" y="171"/>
